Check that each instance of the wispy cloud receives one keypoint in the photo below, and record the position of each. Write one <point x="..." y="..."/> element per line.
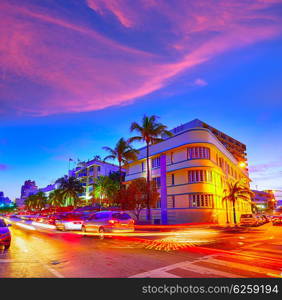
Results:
<point x="66" y="63"/>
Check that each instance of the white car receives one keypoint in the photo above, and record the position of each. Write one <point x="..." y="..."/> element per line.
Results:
<point x="69" y="222"/>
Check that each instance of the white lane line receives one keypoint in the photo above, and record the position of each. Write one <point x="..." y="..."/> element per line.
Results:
<point x="154" y="274"/>
<point x="211" y="271"/>
<point x="241" y="266"/>
<point x="53" y="271"/>
<point x="164" y="270"/>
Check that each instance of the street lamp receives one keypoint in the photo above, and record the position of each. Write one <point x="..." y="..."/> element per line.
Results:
<point x="242" y="165"/>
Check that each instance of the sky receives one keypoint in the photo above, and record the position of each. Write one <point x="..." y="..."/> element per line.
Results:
<point x="74" y="75"/>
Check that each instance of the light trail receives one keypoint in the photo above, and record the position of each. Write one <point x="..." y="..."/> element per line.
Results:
<point x="25" y="226"/>
<point x="43" y="225"/>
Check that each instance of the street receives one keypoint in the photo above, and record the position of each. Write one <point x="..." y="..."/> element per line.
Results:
<point x="254" y="252"/>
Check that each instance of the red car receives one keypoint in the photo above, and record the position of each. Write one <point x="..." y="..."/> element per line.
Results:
<point x="276" y="220"/>
<point x="5" y="235"/>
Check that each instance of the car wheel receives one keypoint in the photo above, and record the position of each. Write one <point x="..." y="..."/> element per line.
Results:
<point x="6" y="247"/>
<point x="101" y="229"/>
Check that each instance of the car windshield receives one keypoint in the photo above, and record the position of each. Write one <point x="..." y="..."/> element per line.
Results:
<point x="247" y="216"/>
<point x="2" y="223"/>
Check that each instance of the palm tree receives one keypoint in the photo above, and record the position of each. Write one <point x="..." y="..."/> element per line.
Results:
<point x="41" y="200"/>
<point x="150" y="132"/>
<point x="235" y="191"/>
<point x="55" y="198"/>
<point x="123" y="152"/>
<point x="104" y="188"/>
<point x="30" y="202"/>
<point x="70" y="188"/>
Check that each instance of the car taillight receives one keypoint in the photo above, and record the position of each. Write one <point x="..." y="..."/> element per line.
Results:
<point x="77" y="222"/>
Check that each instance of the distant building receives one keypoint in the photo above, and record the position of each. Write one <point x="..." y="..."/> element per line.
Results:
<point x="49" y="188"/>
<point x="4" y="201"/>
<point x="87" y="171"/>
<point x="28" y="188"/>
<point x="263" y="200"/>
<point x="192" y="170"/>
<point x="278" y="198"/>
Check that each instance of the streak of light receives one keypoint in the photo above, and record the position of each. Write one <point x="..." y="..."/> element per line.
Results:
<point x="43" y="225"/>
<point x="25" y="226"/>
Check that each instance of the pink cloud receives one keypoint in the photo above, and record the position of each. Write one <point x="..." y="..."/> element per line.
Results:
<point x="65" y="64"/>
<point x="200" y="82"/>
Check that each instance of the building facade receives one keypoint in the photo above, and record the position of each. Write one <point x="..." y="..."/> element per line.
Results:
<point x="28" y="188"/>
<point x="264" y="200"/>
<point x="88" y="171"/>
<point x="4" y="201"/>
<point x="192" y="169"/>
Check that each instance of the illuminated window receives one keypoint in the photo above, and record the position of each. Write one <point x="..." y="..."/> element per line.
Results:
<point x="198" y="153"/>
<point x="199" y="176"/>
<point x="201" y="200"/>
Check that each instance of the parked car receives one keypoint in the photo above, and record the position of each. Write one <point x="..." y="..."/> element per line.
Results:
<point x="69" y="222"/>
<point x="276" y="220"/>
<point x="250" y="220"/>
<point x="5" y="235"/>
<point x="109" y="221"/>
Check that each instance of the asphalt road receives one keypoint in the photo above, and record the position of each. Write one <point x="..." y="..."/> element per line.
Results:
<point x="255" y="252"/>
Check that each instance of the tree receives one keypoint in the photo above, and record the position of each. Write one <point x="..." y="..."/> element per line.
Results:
<point x="134" y="197"/>
<point x="105" y="188"/>
<point x="123" y="152"/>
<point x="55" y="198"/>
<point x="70" y="188"/>
<point x="235" y="191"/>
<point x="150" y="132"/>
<point x="36" y="201"/>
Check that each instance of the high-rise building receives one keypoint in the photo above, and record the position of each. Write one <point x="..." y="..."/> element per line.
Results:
<point x="192" y="170"/>
<point x="28" y="188"/>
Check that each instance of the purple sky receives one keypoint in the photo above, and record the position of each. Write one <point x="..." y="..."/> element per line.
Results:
<point x="74" y="75"/>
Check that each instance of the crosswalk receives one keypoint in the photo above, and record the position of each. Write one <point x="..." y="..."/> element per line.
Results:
<point x="215" y="265"/>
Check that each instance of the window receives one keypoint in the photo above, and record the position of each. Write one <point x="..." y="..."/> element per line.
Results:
<point x="157" y="180"/>
<point x="198" y="153"/>
<point x="156" y="162"/>
<point x="201" y="200"/>
<point x="99" y="168"/>
<point x="199" y="176"/>
<point x="142" y="167"/>
<point x="172" y="179"/>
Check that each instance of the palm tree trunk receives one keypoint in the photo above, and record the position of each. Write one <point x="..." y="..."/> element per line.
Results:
<point x="234" y="213"/>
<point x="120" y="176"/>
<point x="148" y="185"/>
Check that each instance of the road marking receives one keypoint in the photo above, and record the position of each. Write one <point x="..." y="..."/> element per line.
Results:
<point x="237" y="265"/>
<point x="53" y="271"/>
<point x="204" y="270"/>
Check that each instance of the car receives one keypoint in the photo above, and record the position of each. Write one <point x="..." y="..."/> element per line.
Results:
<point x="5" y="234"/>
<point x="108" y="221"/>
<point x="249" y="220"/>
<point x="69" y="222"/>
<point x="276" y="220"/>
